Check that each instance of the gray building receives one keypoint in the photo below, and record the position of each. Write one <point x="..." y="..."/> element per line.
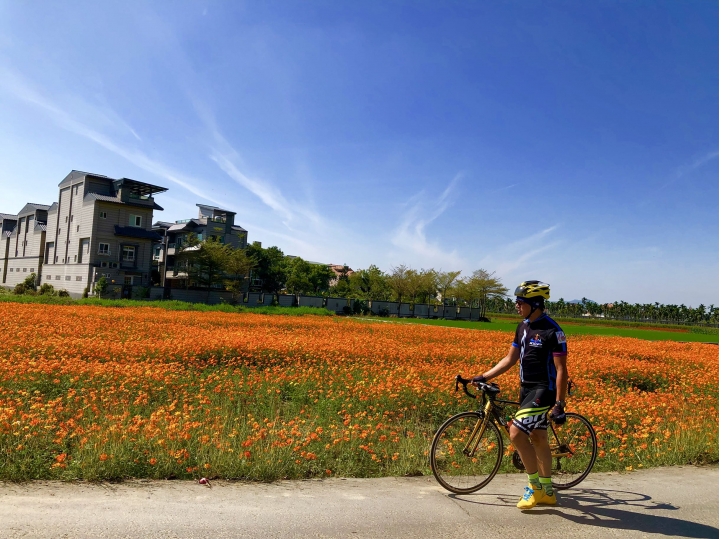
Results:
<point x="211" y="223"/>
<point x="23" y="240"/>
<point x="99" y="226"/>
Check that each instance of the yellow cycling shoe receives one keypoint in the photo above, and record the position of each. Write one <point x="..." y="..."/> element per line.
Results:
<point x="530" y="498"/>
<point x="545" y="499"/>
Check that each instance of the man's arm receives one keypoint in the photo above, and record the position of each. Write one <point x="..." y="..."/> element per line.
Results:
<point x="561" y="376"/>
<point x="503" y="365"/>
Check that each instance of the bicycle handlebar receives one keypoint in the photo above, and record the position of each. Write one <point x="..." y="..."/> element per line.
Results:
<point x="490" y="388"/>
<point x="461" y="380"/>
<point x="482" y="386"/>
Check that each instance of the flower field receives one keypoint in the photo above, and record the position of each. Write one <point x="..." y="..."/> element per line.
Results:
<point x="106" y="393"/>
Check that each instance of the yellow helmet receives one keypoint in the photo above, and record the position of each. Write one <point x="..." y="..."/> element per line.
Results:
<point x="533" y="289"/>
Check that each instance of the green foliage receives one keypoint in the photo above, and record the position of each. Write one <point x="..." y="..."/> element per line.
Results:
<point x="306" y="278"/>
<point x="63" y="294"/>
<point x="19" y="289"/>
<point x="46" y="289"/>
<point x="101" y="286"/>
<point x="270" y="268"/>
<point x="139" y="292"/>
<point x="369" y="284"/>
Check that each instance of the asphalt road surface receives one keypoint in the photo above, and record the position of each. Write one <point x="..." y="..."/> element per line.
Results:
<point x="664" y="502"/>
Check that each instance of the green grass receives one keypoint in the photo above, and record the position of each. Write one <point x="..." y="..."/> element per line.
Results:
<point x="574" y="328"/>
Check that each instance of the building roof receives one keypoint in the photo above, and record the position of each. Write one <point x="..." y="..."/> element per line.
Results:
<point x="135" y="232"/>
<point x="31" y="207"/>
<point x="141" y="188"/>
<point x="215" y="208"/>
<point x="186" y="225"/>
<point x="115" y="200"/>
<point x="238" y="228"/>
<point x="162" y="224"/>
<point x="8" y="216"/>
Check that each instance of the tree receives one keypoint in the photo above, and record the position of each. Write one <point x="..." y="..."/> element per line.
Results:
<point x="445" y="282"/>
<point x="371" y="284"/>
<point x="429" y="285"/>
<point x="398" y="282"/>
<point x="270" y="269"/>
<point x="237" y="270"/>
<point x="483" y="287"/>
<point x="101" y="286"/>
<point x="298" y="281"/>
<point x="342" y="287"/>
<point x="307" y="278"/>
<point x="205" y="261"/>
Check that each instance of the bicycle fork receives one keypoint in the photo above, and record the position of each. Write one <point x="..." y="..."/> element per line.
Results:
<point x="475" y="439"/>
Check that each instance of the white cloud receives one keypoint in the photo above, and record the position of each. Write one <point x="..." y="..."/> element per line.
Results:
<point x="21" y="89"/>
<point x="517" y="254"/>
<point x="410" y="234"/>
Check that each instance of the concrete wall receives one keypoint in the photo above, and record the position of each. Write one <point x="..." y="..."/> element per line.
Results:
<point x="286" y="300"/>
<point x="201" y="296"/>
<point x="337" y="304"/>
<point x="310" y="301"/>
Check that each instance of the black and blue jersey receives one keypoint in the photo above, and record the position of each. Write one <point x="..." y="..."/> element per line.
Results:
<point x="539" y="341"/>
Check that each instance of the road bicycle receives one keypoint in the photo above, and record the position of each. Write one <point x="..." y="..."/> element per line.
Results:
<point x="467" y="450"/>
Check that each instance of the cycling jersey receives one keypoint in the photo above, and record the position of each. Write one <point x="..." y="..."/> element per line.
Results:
<point x="539" y="341"/>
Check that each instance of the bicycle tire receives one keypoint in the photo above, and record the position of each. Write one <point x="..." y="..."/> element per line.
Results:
<point x="574" y="447"/>
<point x="460" y="473"/>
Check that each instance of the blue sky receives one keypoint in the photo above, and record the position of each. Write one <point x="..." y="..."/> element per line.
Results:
<point x="572" y="142"/>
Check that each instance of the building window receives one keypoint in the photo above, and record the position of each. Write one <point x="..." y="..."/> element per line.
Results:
<point x="128" y="279"/>
<point x="67" y="277"/>
<point x="32" y="270"/>
<point x="66" y="218"/>
<point x="156" y="252"/>
<point x="75" y="258"/>
<point x="103" y="264"/>
<point x="103" y="215"/>
<point x="48" y="277"/>
<point x="128" y="253"/>
<point x="56" y="259"/>
<point x="79" y="278"/>
<point x="103" y="249"/>
<point x="11" y="270"/>
<point x="77" y="228"/>
<point x="25" y="270"/>
<point x="136" y="220"/>
<point x="57" y="277"/>
<point x="60" y="231"/>
<point x="71" y="218"/>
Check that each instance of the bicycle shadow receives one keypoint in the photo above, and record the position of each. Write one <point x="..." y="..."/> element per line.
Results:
<point x="604" y="508"/>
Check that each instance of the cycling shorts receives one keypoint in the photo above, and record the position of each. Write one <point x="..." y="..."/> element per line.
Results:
<point x="536" y="401"/>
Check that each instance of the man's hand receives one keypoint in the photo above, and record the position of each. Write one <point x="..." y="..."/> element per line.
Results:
<point x="558" y="414"/>
<point x="480" y="379"/>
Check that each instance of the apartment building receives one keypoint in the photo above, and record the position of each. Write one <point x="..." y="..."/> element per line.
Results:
<point x="212" y="223"/>
<point x="99" y="226"/>
<point x="21" y="243"/>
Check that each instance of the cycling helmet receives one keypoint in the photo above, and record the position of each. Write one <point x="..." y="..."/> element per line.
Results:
<point x="534" y="293"/>
<point x="533" y="289"/>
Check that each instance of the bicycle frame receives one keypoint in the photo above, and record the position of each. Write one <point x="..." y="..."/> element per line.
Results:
<point x="490" y="410"/>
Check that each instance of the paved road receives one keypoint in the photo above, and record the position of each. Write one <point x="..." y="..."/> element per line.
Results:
<point x="668" y="502"/>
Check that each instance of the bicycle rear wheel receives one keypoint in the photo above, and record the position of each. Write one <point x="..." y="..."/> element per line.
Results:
<point x="461" y="461"/>
<point x="574" y="448"/>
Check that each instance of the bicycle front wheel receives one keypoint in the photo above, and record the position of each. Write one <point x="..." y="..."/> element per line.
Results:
<point x="573" y="448"/>
<point x="464" y="459"/>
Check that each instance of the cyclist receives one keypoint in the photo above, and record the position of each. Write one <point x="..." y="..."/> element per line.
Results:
<point x="540" y="345"/>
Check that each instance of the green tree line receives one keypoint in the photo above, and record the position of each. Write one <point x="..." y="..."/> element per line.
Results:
<point x="212" y="264"/>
